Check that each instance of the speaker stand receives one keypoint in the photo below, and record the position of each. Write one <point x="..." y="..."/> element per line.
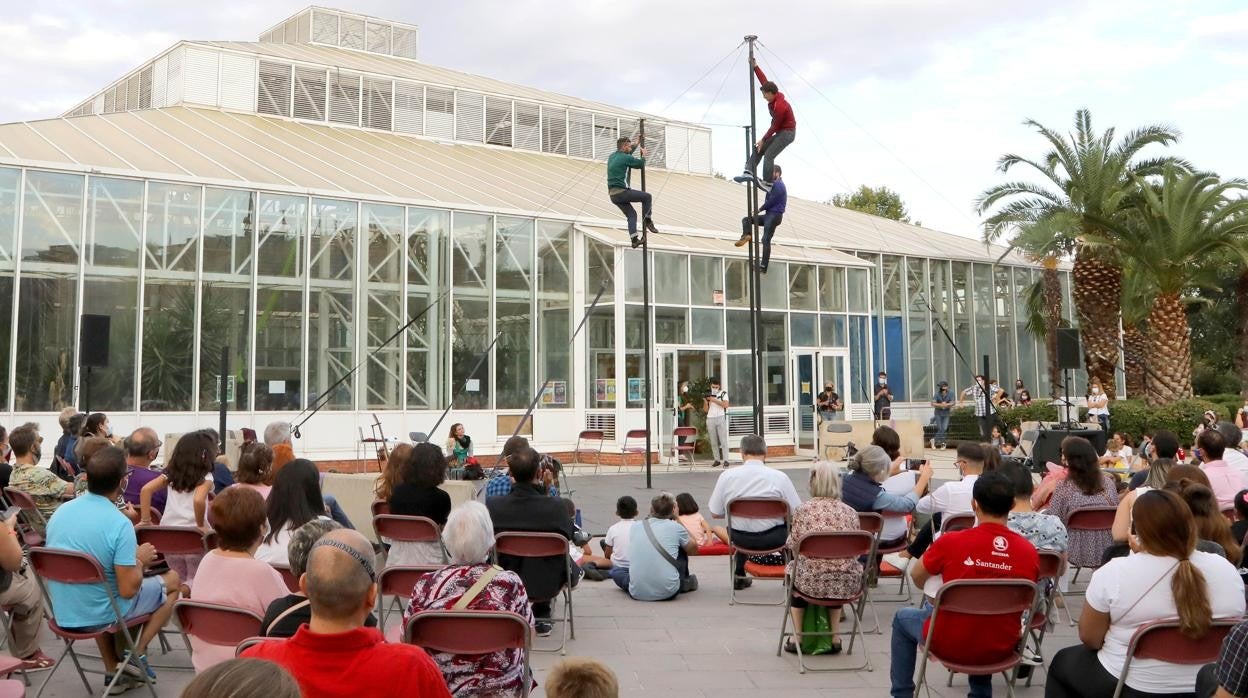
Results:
<point x="86" y="390"/>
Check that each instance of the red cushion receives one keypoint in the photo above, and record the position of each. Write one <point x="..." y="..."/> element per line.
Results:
<point x="887" y="570"/>
<point x="767" y="571"/>
<point x="717" y="548"/>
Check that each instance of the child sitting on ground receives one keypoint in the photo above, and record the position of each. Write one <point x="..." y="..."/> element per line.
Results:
<point x="615" y="544"/>
<point x="578" y="548"/>
<point x="687" y="514"/>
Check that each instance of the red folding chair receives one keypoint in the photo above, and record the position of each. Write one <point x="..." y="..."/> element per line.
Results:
<point x="634" y="442"/>
<point x="175" y="540"/>
<point x="754" y="508"/>
<point x="1099" y="518"/>
<point x="829" y="546"/>
<point x="873" y="523"/>
<point x="472" y="633"/>
<point x="292" y="582"/>
<point x="216" y="624"/>
<point x="1161" y="640"/>
<point x="590" y="437"/>
<point x="67" y="466"/>
<point x="978" y="597"/>
<point x="11" y="688"/>
<point x="69" y="567"/>
<point x="31" y="520"/>
<point x="380" y="506"/>
<point x="1052" y="565"/>
<point x="956" y="522"/>
<point x="252" y="642"/>
<point x="397" y="582"/>
<point x="680" y="447"/>
<point x="543" y="545"/>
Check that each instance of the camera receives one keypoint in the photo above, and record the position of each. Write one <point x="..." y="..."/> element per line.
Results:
<point x="914" y="463"/>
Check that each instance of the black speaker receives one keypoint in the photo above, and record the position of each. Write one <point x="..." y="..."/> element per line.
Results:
<point x="1069" y="355"/>
<point x="1048" y="446"/>
<point x="93" y="342"/>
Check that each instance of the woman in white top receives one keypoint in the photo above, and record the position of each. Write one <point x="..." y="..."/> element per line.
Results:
<point x="294" y="500"/>
<point x="1098" y="405"/>
<point x="1118" y="452"/>
<point x="1165" y="577"/>
<point x="188" y="479"/>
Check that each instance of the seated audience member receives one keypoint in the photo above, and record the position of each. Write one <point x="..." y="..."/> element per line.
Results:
<point x="948" y="499"/>
<point x="188" y="481"/>
<point x="1227" y="678"/>
<point x="46" y="489"/>
<point x="699" y="530"/>
<point x="990" y="550"/>
<point x="1239" y="529"/>
<point x="71" y="443"/>
<point x="594" y="567"/>
<point x="1045" y="531"/>
<point x="334" y="655"/>
<point x="243" y="678"/>
<point x="294" y="500"/>
<point x="1224" y="480"/>
<point x="1118" y="451"/>
<point x="92" y="524"/>
<point x="1163" y="448"/>
<point x="503" y="480"/>
<point x="277" y="437"/>
<point x="1233" y="455"/>
<point x="824" y="512"/>
<point x="68" y="430"/>
<point x="471" y="582"/>
<point x="581" y="677"/>
<point x="652" y="575"/>
<point x="615" y="543"/>
<point x="96" y="424"/>
<point x="221" y="475"/>
<point x="1211" y="526"/>
<point x="864" y="489"/>
<point x="992" y="457"/>
<point x="255" y="460"/>
<point x="1165" y="577"/>
<point x="1084" y="486"/>
<point x="286" y="614"/>
<point x="753" y="479"/>
<point x="418" y="494"/>
<point x="229" y="575"/>
<point x="528" y="508"/>
<point x="142" y="448"/>
<point x="21" y="598"/>
<point x="888" y="439"/>
<point x="1153" y="478"/>
<point x="391" y="476"/>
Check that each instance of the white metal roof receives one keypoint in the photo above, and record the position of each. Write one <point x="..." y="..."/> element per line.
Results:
<point x="724" y="247"/>
<point x="213" y="146"/>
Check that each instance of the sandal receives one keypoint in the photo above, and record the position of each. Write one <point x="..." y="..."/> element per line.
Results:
<point x="836" y="647"/>
<point x="790" y="647"/>
<point x="37" y="662"/>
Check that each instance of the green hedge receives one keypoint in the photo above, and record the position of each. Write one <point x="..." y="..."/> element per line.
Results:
<point x="1131" y="416"/>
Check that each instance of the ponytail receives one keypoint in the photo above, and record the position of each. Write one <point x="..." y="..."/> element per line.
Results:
<point x="1191" y="600"/>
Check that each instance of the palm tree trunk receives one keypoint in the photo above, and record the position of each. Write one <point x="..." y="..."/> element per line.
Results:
<point x="1097" y="291"/>
<point x="1052" y="320"/>
<point x="1169" y="351"/>
<point x="1135" y="359"/>
<point x="1241" y="332"/>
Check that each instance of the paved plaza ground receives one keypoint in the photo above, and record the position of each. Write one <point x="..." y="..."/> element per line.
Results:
<point x="695" y="646"/>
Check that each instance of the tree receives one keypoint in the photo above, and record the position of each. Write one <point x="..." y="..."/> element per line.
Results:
<point x="1089" y="181"/>
<point x="1046" y="241"/>
<point x="1180" y="229"/>
<point x="877" y="201"/>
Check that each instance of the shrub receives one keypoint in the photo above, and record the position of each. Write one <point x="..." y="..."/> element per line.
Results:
<point x="1208" y="379"/>
<point x="1135" y="418"/>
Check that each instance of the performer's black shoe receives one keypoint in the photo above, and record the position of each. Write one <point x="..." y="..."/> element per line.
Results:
<point x="764" y="184"/>
<point x="743" y="178"/>
<point x="648" y="224"/>
<point x="745" y="240"/>
<point x="762" y="268"/>
<point x="636" y="240"/>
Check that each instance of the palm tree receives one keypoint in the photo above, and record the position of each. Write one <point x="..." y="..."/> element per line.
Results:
<point x="1041" y="242"/>
<point x="1089" y="178"/>
<point x="1179" y="229"/>
<point x="1137" y="299"/>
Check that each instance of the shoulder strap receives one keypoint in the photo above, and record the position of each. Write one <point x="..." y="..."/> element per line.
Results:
<point x="1164" y="575"/>
<point x="476" y="589"/>
<point x="659" y="546"/>
<point x="269" y="628"/>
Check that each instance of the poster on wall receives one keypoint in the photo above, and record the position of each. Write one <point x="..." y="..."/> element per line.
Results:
<point x="604" y="390"/>
<point x="555" y="393"/>
<point x="634" y="390"/>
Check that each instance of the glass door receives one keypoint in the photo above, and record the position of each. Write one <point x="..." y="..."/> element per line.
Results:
<point x="834" y="367"/>
<point x="805" y="388"/>
<point x="668" y="400"/>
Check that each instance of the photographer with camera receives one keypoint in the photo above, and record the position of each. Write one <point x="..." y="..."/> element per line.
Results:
<point x="716" y="404"/>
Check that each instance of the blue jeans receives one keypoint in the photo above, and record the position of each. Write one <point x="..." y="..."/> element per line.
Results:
<point x="942" y="427"/>
<point x="907" y="629"/>
<point x="769" y="221"/>
<point x="335" y="511"/>
<point x="1103" y="420"/>
<point x="625" y="200"/>
<point x="619" y="575"/>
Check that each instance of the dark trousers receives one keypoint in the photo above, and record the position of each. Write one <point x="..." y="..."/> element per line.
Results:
<point x="773" y="537"/>
<point x="1207" y="681"/>
<point x="985" y="426"/>
<point x="625" y="201"/>
<point x="923" y="539"/>
<point x="770" y="150"/>
<point x="769" y="221"/>
<point x="1077" y="673"/>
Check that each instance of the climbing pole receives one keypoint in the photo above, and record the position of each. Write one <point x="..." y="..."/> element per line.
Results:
<point x="645" y="296"/>
<point x="751" y="203"/>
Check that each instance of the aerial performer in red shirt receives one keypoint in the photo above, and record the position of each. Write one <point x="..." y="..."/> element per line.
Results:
<point x="777" y="138"/>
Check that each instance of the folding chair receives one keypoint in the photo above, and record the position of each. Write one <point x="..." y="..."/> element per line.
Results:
<point x="1161" y="640"/>
<point x="680" y="447"/>
<point x="754" y="508"/>
<point x="11" y="688"/>
<point x="292" y="582"/>
<point x="828" y="546"/>
<point x="539" y="545"/>
<point x="841" y="442"/>
<point x="216" y="624"/>
<point x="873" y="523"/>
<point x="252" y="642"/>
<point x="472" y="633"/>
<point x="397" y="582"/>
<point x="29" y="517"/>
<point x="589" y="436"/>
<point x="175" y="540"/>
<point x="380" y="506"/>
<point x="977" y="597"/>
<point x="634" y="442"/>
<point x="956" y="522"/>
<point x="408" y="529"/>
<point x="1052" y="564"/>
<point x="69" y="567"/>
<point x="1089" y="519"/>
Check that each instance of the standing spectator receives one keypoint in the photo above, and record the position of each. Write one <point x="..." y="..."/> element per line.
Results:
<point x="470" y="582"/>
<point x="419" y="495"/>
<point x="828" y="402"/>
<point x="984" y="415"/>
<point x="255" y="460"/>
<point x="92" y="524"/>
<point x="716" y="405"/>
<point x="1084" y="486"/>
<point x="753" y="479"/>
<point x="142" y="448"/>
<point x="1165" y="577"/>
<point x="286" y="614"/>
<point x="529" y="508"/>
<point x="990" y="550"/>
<point x="1224" y="480"/>
<point x="458" y="445"/>
<point x="1098" y="405"/>
<point x="658" y="554"/>
<point x="581" y="677"/>
<point x="46" y="489"/>
<point x="942" y="407"/>
<point x="883" y="397"/>
<point x="615" y="544"/>
<point x="294" y="500"/>
<point x="824" y="512"/>
<point x="334" y="655"/>
<point x="230" y="575"/>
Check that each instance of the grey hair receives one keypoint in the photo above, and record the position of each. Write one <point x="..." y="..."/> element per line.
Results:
<point x="302" y="540"/>
<point x="663" y="506"/>
<point x="753" y="445"/>
<point x="468" y="534"/>
<point x="871" y="461"/>
<point x="276" y="433"/>
<point x="825" y="480"/>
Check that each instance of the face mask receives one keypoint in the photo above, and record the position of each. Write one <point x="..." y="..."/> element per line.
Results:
<point x="684" y="388"/>
<point x="36" y="454"/>
<point x="1095" y="391"/>
<point x="883" y="381"/>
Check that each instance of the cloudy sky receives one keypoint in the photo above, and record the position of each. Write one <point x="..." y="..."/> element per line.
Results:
<point x="920" y="95"/>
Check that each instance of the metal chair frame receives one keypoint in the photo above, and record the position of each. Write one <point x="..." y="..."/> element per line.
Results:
<point x="567" y="622"/>
<point x="856" y="544"/>
<point x="733" y="548"/>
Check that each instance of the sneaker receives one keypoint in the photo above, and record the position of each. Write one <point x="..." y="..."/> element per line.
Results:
<point x="745" y="240"/>
<point x="762" y="184"/>
<point x="1029" y="658"/>
<point x="743" y="178"/>
<point x="762" y="268"/>
<point x="648" y="224"/>
<point x="715" y="464"/>
<point x="897" y="561"/>
<point x="138" y="667"/>
<point x="544" y="628"/>
<point x="125" y="683"/>
<point x="636" y="240"/>
<point x="742" y="583"/>
<point x="593" y="574"/>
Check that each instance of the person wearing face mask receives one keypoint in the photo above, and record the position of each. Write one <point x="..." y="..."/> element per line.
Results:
<point x="1241" y="416"/>
<point x="684" y="410"/>
<point x="1022" y="396"/>
<point x="1098" y="405"/>
<point x="942" y="404"/>
<point x="828" y="403"/>
<point x="984" y="413"/>
<point x="883" y="398"/>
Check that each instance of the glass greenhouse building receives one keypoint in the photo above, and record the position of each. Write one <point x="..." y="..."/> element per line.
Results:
<point x="294" y="202"/>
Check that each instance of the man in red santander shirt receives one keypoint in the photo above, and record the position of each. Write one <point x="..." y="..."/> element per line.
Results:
<point x="990" y="550"/>
<point x="778" y="137"/>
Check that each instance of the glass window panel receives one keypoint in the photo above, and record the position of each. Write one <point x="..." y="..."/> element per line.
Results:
<point x="706" y="275"/>
<point x="738" y="329"/>
<point x="383" y="276"/>
<point x="513" y="355"/>
<point x="225" y="323"/>
<point x="738" y="283"/>
<point x="802" y="291"/>
<point x="172" y="228"/>
<point x="10" y="181"/>
<point x="944" y="360"/>
<point x="52" y="217"/>
<point x="554" y="330"/>
<point x="633" y="375"/>
<point x="283" y="225"/>
<point x="279" y="301"/>
<point x="858" y="295"/>
<point x="775" y="286"/>
<point x="428" y="231"/>
<point x="115" y="226"/>
<point x="114" y="233"/>
<point x="803" y="330"/>
<point x="739" y="379"/>
<point x="671" y="326"/>
<point x="1004" y="306"/>
<point x="632" y="275"/>
<point x="514" y="255"/>
<point x="708" y="327"/>
<point x="470" y="262"/>
<point x="985" y="330"/>
<point x="470" y="335"/>
<point x="229" y="219"/>
<point x="890" y="274"/>
<point x="832" y="331"/>
<point x="46" y="316"/>
<point x="331" y="304"/>
<point x="634" y="327"/>
<point x="599" y="269"/>
<point x="168" y="344"/>
<point x="600" y="339"/>
<point x="962" y="335"/>
<point x="859" y="358"/>
<point x="920" y="346"/>
<point x="671" y="278"/>
<point x="1029" y="347"/>
<point x="832" y="289"/>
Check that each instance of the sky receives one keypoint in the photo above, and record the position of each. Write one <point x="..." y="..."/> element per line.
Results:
<point x="922" y="96"/>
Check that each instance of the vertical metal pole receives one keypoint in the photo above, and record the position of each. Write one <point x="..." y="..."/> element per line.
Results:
<point x="223" y="383"/>
<point x="989" y="408"/>
<point x="752" y="280"/>
<point x="756" y="290"/>
<point x="645" y="296"/>
<point x="86" y="390"/>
